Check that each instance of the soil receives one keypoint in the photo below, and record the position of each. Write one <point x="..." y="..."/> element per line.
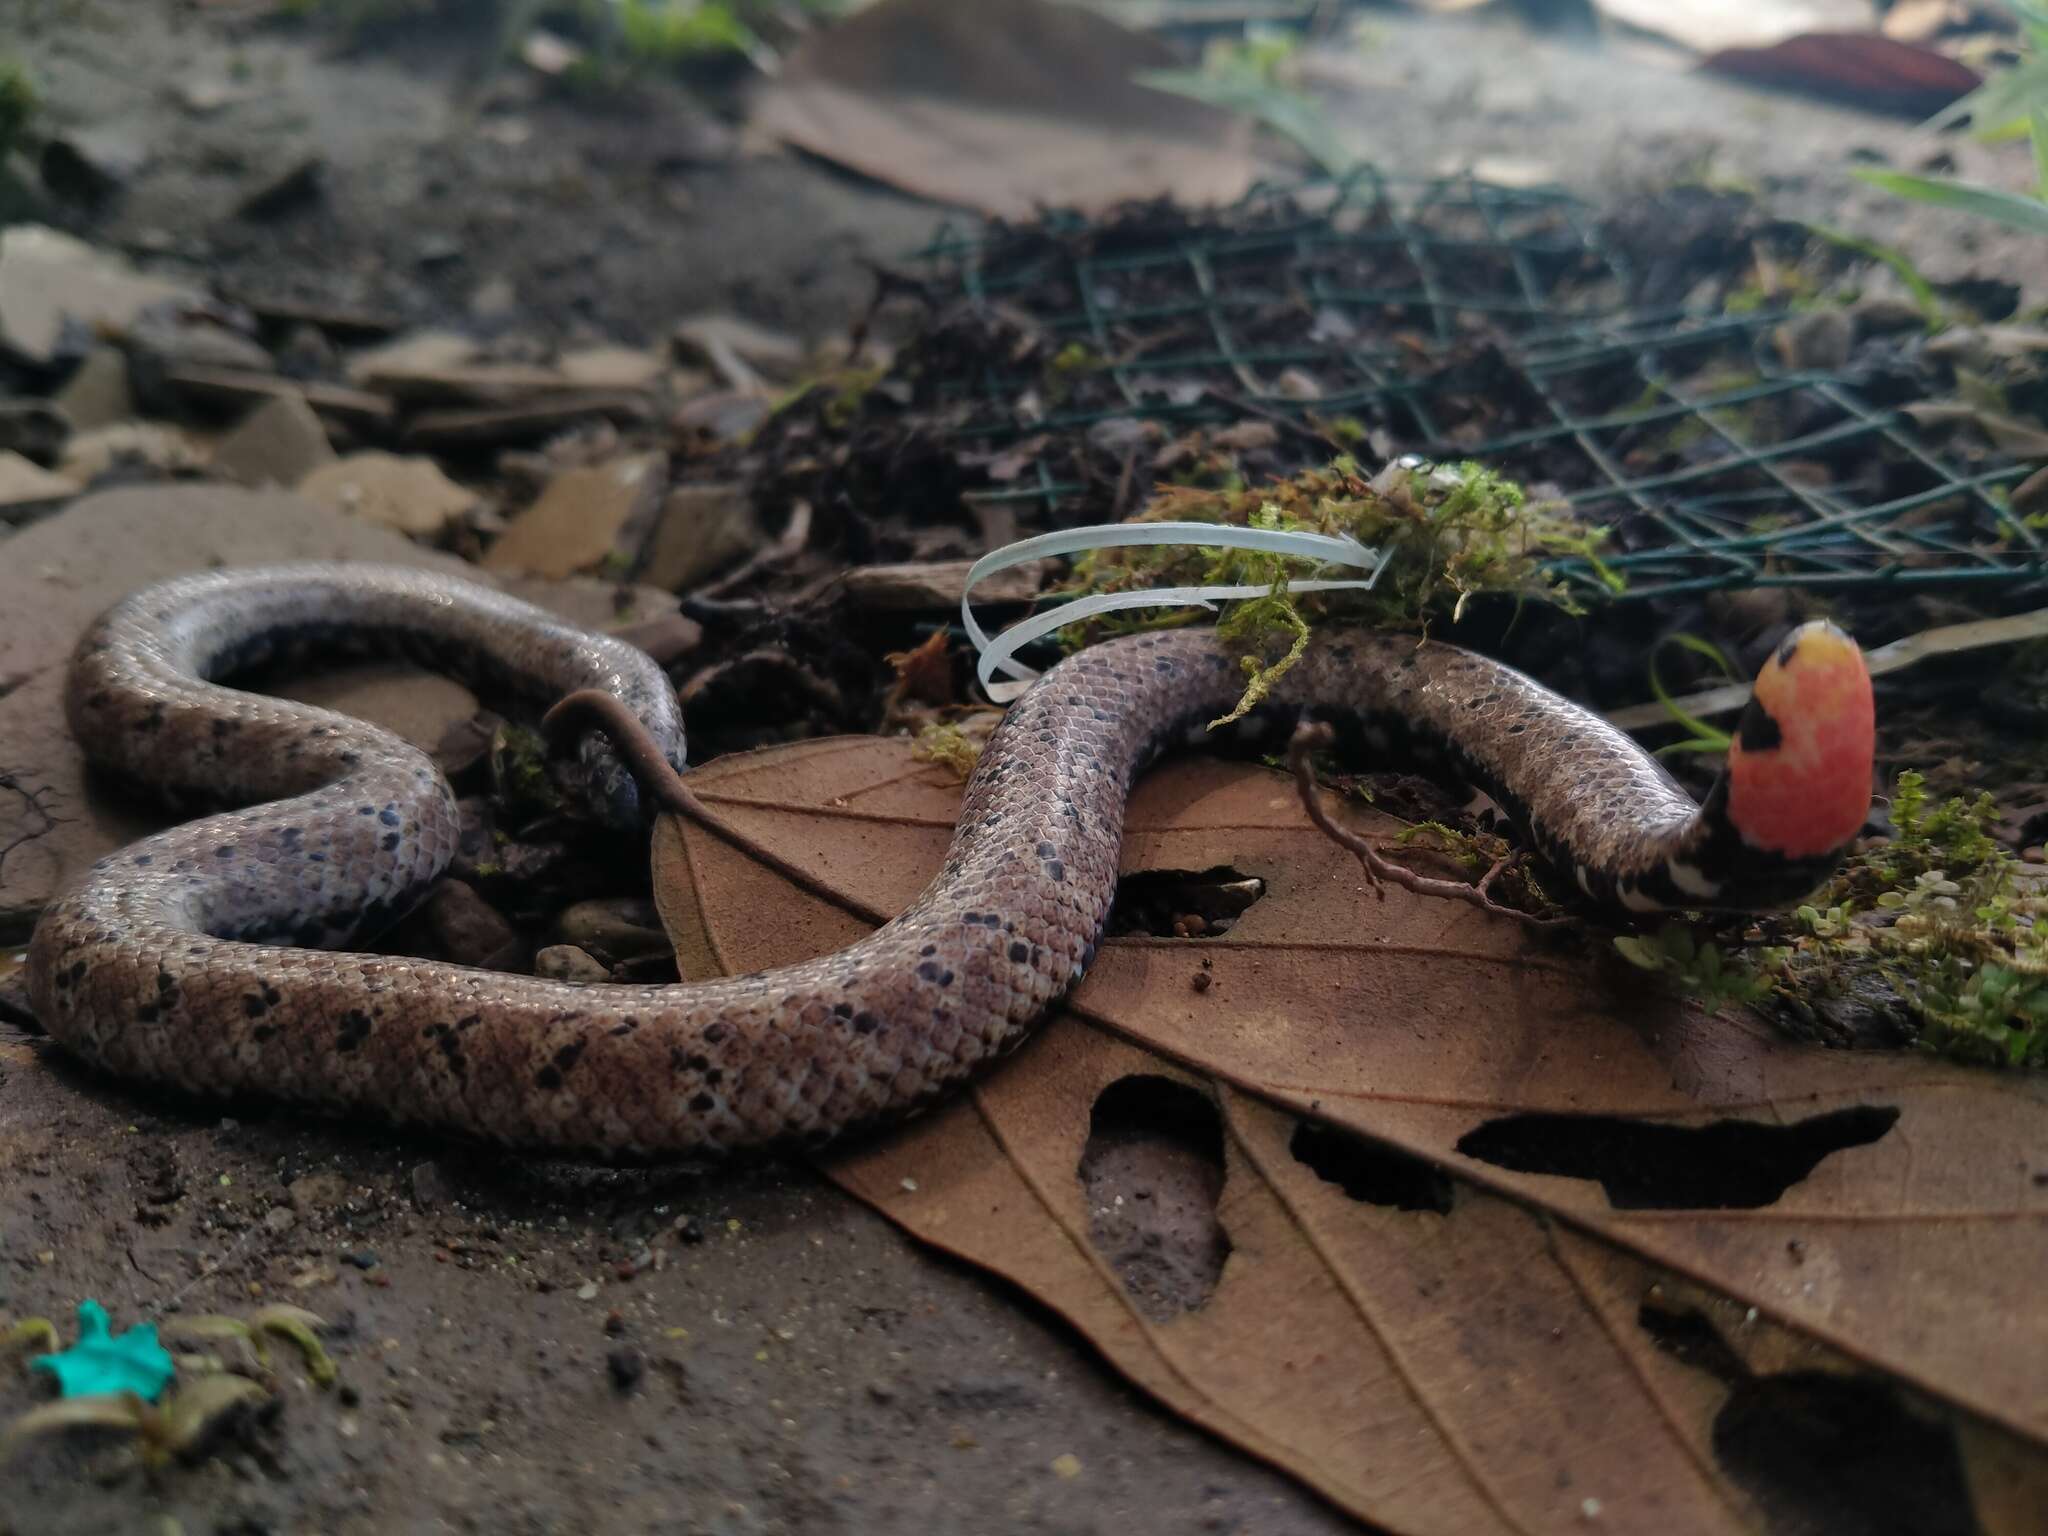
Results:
<point x="527" y="1347"/>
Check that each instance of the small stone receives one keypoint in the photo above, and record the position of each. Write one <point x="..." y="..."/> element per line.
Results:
<point x="361" y="1258"/>
<point x="587" y="1291"/>
<point x="614" y="1322"/>
<point x="583" y="516"/>
<point x="1066" y="1467"/>
<point x="565" y="962"/>
<point x="689" y="1232"/>
<point x="702" y="528"/>
<point x="1201" y="981"/>
<point x="469" y="930"/>
<point x="618" y="928"/>
<point x="281" y="442"/>
<point x="611" y="368"/>
<point x="314" y="1193"/>
<point x="410" y="495"/>
<point x="151" y="445"/>
<point x="49" y="281"/>
<point x="494" y="299"/>
<point x="430" y="1187"/>
<point x="25" y="486"/>
<point x="625" y="1367"/>
<point x="1818" y="339"/>
<point x="285" y="191"/>
<point x="96" y="394"/>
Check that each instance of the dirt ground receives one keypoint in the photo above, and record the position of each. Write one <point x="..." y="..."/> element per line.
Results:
<point x="529" y="1348"/>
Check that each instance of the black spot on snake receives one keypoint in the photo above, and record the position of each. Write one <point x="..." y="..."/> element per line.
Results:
<point x="703" y="1104"/>
<point x="1758" y="730"/>
<point x="548" y="1078"/>
<point x="355" y="1029"/>
<point x="565" y="1058"/>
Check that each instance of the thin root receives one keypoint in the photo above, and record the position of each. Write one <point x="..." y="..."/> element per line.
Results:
<point x="1311" y="737"/>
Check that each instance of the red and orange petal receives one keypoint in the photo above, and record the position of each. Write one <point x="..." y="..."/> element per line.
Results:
<point x="1809" y="794"/>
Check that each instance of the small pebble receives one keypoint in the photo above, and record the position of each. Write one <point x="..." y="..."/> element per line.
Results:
<point x="587" y="1291"/>
<point x="615" y="1322"/>
<point x="689" y="1232"/>
<point x="626" y="1367"/>
<point x="1201" y="981"/>
<point x="362" y="1258"/>
<point x="1067" y="1466"/>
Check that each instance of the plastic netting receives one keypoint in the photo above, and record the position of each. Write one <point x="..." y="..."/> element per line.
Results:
<point x="1455" y="319"/>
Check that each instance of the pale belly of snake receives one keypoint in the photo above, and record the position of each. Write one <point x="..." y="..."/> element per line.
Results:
<point x="214" y="958"/>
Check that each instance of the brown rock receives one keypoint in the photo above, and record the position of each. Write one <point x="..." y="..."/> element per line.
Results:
<point x="583" y="516"/>
<point x="47" y="278"/>
<point x="25" y="487"/>
<point x="469" y="930"/>
<point x="279" y="443"/>
<point x="408" y="495"/>
<point x="611" y="368"/>
<point x="614" y="927"/>
<point x="702" y="529"/>
<point x="565" y="962"/>
<point x="396" y="363"/>
<point x="153" y="444"/>
<point x="96" y="394"/>
<point x="231" y="386"/>
<point x="524" y="423"/>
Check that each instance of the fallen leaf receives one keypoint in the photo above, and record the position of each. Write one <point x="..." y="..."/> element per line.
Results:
<point x="1005" y="106"/>
<point x="1877" y="74"/>
<point x="1708" y="25"/>
<point x="584" y="516"/>
<point x="1880" y="1205"/>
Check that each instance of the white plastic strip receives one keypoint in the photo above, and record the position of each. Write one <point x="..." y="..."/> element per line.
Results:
<point x="998" y="654"/>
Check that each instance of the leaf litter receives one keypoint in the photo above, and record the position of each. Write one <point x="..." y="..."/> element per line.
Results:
<point x="1502" y="1239"/>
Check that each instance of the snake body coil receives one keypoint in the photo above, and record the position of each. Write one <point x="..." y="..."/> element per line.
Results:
<point x="213" y="957"/>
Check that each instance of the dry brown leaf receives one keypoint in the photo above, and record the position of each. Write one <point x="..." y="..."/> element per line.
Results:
<point x="1004" y="106"/>
<point x="1427" y="1389"/>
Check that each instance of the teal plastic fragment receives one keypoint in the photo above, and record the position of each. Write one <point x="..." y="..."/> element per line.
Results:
<point x="99" y="1363"/>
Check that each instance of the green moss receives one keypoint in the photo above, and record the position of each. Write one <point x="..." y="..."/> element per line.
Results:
<point x="18" y="101"/>
<point x="1940" y="915"/>
<point x="948" y="746"/>
<point x="1448" y="533"/>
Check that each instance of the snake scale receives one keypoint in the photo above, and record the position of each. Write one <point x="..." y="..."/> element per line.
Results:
<point x="215" y="958"/>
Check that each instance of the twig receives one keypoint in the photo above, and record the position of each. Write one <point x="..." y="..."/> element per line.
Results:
<point x="656" y="776"/>
<point x="1308" y="739"/>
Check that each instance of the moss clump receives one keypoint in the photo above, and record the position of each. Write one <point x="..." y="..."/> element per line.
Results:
<point x="1940" y="916"/>
<point x="949" y="747"/>
<point x="18" y="101"/>
<point x="1448" y="533"/>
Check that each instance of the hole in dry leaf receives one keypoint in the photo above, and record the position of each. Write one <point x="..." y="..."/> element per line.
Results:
<point x="1728" y="1165"/>
<point x="1371" y="1170"/>
<point x="1152" y="1172"/>
<point x="1825" y="1454"/>
<point x="1183" y="903"/>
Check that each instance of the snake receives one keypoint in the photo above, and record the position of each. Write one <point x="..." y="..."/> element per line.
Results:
<point x="221" y="958"/>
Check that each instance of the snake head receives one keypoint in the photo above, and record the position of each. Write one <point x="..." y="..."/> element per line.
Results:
<point x="1798" y="776"/>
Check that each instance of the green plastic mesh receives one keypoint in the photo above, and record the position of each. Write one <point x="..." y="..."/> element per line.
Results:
<point x="1454" y="319"/>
